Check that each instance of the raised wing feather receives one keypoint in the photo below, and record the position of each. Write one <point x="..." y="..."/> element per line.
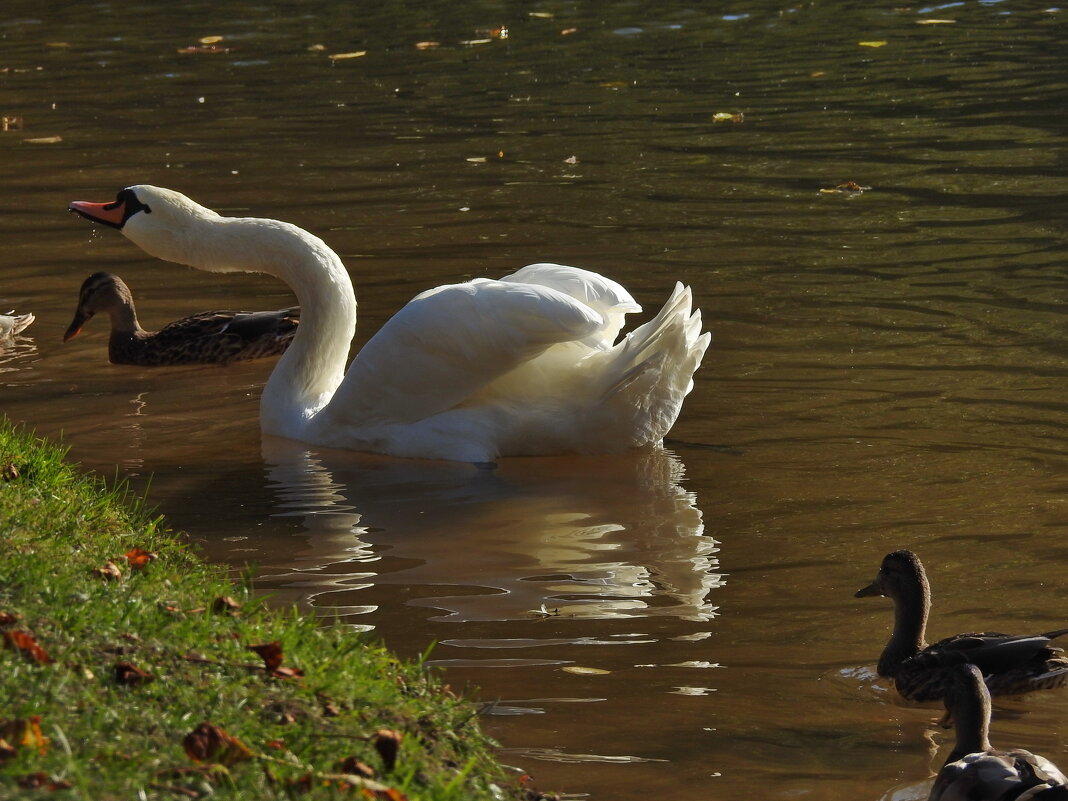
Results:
<point x="451" y="341"/>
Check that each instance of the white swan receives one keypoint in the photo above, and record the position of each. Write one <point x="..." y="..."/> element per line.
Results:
<point x="468" y="372"/>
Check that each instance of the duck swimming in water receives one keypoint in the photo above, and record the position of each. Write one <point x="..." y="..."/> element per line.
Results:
<point x="210" y="337"/>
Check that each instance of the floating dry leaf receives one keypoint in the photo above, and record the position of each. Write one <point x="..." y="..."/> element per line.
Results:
<point x="848" y="188"/>
<point x="571" y="160"/>
<point x="728" y="116"/>
<point x="936" y="22"/>
<point x="476" y="42"/>
<point x="203" y="50"/>
<point x="343" y="56"/>
<point x="426" y="45"/>
<point x="10" y="123"/>
<point x="568" y="31"/>
<point x="209" y="40"/>
<point x="541" y="14"/>
<point x="872" y="44"/>
<point x="24" y="642"/>
<point x="209" y="743"/>
<point x="44" y="140"/>
<point x="584" y="671"/>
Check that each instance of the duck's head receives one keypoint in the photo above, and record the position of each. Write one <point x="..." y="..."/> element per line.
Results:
<point x="100" y="292"/>
<point x="900" y="574"/>
<point x="159" y="221"/>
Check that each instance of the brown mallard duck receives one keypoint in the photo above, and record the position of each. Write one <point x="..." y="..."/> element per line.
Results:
<point x="210" y="337"/>
<point x="974" y="770"/>
<point x="11" y="324"/>
<point x="1011" y="664"/>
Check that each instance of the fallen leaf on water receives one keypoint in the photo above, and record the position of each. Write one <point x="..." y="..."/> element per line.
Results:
<point x="110" y="571"/>
<point x="209" y="40"/>
<point x="209" y="743"/>
<point x="848" y="188"/>
<point x="44" y="140"/>
<point x="23" y="641"/>
<point x="203" y="50"/>
<point x="472" y="42"/>
<point x="138" y="558"/>
<point x="541" y="14"/>
<point x="872" y="44"/>
<point x="24" y="733"/>
<point x="10" y="123"/>
<point x="387" y="744"/>
<point x="728" y="116"/>
<point x="936" y="22"/>
<point x="426" y="45"/>
<point x="568" y="31"/>
<point x="584" y="671"/>
<point x="343" y="56"/>
<point x="130" y="675"/>
<point x="571" y="160"/>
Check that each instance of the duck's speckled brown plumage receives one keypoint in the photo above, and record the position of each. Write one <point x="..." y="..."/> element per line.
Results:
<point x="210" y="337"/>
<point x="1011" y="664"/>
<point x="976" y="771"/>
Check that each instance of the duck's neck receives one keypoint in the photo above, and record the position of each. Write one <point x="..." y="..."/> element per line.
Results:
<point x="971" y="721"/>
<point x="314" y="364"/>
<point x="124" y="319"/>
<point x="911" y="609"/>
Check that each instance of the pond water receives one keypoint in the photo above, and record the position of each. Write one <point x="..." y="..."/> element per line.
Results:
<point x="888" y="365"/>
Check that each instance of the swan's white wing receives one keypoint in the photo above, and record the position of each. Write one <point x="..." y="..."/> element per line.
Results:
<point x="603" y="295"/>
<point x="451" y="341"/>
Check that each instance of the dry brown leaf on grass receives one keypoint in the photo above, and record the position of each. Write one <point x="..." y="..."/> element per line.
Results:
<point x="209" y="743"/>
<point x="42" y="781"/>
<point x="387" y="744"/>
<point x="24" y="733"/>
<point x="224" y="603"/>
<point x="138" y="557"/>
<point x="9" y="472"/>
<point x="271" y="653"/>
<point x="130" y="675"/>
<point x="24" y="642"/>
<point x="109" y="572"/>
<point x="7" y="619"/>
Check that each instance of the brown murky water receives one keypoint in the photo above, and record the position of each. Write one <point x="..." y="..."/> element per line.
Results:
<point x="888" y="367"/>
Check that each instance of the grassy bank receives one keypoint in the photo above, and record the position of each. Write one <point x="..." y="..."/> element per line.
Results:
<point x="130" y="669"/>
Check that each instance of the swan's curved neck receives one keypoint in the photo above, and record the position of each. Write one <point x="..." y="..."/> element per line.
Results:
<point x="313" y="366"/>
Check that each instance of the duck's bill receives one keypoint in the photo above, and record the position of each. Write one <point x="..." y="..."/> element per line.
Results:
<point x="75" y="327"/>
<point x="864" y="592"/>
<point x="112" y="214"/>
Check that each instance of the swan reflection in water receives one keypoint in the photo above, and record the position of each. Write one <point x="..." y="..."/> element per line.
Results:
<point x="593" y="537"/>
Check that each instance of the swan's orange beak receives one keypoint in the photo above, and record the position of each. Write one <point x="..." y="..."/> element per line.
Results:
<point x="107" y="213"/>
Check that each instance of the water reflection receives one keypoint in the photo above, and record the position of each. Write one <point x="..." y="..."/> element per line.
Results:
<point x="581" y="537"/>
<point x="15" y="353"/>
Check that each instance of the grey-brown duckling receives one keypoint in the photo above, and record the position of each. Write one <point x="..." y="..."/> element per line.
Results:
<point x="975" y="771"/>
<point x="210" y="337"/>
<point x="1010" y="664"/>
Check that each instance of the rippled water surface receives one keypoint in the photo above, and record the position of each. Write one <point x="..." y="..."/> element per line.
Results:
<point x="888" y="367"/>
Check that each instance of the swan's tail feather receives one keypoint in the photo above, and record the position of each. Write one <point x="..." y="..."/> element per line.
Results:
<point x="652" y="371"/>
